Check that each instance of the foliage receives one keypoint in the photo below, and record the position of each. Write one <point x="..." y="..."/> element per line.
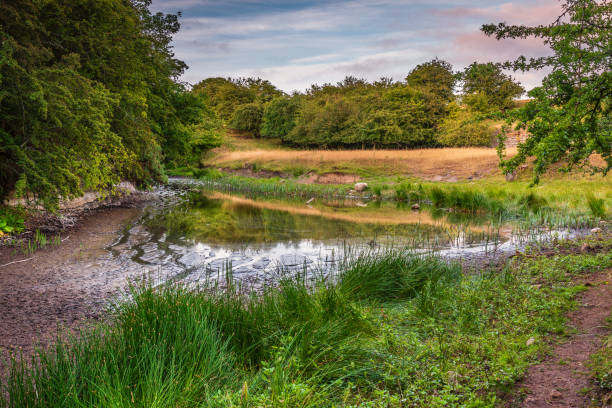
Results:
<point x="11" y="221"/>
<point x="568" y="118"/>
<point x="227" y="94"/>
<point x="247" y="118"/>
<point x="279" y="116"/>
<point x="437" y="79"/>
<point x="355" y="113"/>
<point x="89" y="97"/>
<point x="462" y="127"/>
<point x="488" y="81"/>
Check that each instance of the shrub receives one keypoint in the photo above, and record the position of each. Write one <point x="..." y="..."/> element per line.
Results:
<point x="462" y="128"/>
<point x="247" y="118"/>
<point x="279" y="116"/>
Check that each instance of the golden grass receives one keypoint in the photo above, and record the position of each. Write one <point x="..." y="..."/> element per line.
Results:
<point x="422" y="163"/>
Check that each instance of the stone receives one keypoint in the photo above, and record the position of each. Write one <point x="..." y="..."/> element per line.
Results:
<point x="294" y="260"/>
<point x="416" y="206"/>
<point x="360" y="204"/>
<point x="554" y="394"/>
<point x="596" y="230"/>
<point x="530" y="341"/>
<point x="510" y="176"/>
<point x="359" y="187"/>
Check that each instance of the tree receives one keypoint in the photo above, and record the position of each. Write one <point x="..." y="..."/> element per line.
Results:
<point x="488" y="81"/>
<point x="435" y="77"/>
<point x="279" y="116"/>
<point x="247" y="118"/>
<point x="89" y="96"/>
<point x="568" y="118"/>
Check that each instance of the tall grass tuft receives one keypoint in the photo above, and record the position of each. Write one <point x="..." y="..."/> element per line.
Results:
<point x="597" y="206"/>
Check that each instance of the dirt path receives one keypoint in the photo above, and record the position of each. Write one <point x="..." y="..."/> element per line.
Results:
<point x="562" y="380"/>
<point x="59" y="286"/>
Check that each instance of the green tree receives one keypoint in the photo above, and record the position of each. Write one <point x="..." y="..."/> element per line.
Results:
<point x="568" y="118"/>
<point x="247" y="118"/>
<point x="435" y="77"/>
<point x="89" y="96"/>
<point x="489" y="81"/>
<point x="279" y="116"/>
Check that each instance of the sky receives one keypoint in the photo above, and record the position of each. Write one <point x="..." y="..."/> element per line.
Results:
<point x="294" y="44"/>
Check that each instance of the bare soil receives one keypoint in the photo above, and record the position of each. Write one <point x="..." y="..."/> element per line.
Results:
<point x="58" y="287"/>
<point x="563" y="379"/>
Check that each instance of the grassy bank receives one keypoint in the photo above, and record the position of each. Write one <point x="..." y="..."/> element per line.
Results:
<point x="391" y="330"/>
<point x="564" y="204"/>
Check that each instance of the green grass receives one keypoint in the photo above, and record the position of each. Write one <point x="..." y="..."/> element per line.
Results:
<point x="11" y="220"/>
<point x="597" y="206"/>
<point x="393" y="329"/>
<point x="601" y="362"/>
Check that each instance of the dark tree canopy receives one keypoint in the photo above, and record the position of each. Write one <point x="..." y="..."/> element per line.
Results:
<point x="569" y="116"/>
<point x="89" y="97"/>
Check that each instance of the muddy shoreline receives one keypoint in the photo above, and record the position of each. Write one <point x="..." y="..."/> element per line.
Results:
<point x="48" y="292"/>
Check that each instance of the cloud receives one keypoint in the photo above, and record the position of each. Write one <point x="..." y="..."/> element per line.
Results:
<point x="296" y="43"/>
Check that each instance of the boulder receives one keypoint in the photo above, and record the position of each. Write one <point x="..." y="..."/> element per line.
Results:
<point x="416" y="206"/>
<point x="596" y="230"/>
<point x="359" y="187"/>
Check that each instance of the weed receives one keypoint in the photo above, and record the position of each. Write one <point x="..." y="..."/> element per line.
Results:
<point x="597" y="206"/>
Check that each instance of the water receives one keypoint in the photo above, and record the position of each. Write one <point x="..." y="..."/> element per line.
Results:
<point x="195" y="236"/>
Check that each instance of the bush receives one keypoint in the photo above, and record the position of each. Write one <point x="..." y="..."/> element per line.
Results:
<point x="247" y="118"/>
<point x="279" y="117"/>
<point x="462" y="128"/>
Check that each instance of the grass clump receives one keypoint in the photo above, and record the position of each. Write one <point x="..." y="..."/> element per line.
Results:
<point x="391" y="330"/>
<point x="597" y="206"/>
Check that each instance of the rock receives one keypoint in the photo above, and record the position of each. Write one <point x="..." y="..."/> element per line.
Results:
<point x="360" y="204"/>
<point x="361" y="187"/>
<point x="554" y="394"/>
<point x="530" y="341"/>
<point x="294" y="260"/>
<point x="415" y="206"/>
<point x="596" y="230"/>
<point x="510" y="176"/>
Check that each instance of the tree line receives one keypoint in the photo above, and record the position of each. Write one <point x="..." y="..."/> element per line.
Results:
<point x="89" y="96"/>
<point x="423" y="110"/>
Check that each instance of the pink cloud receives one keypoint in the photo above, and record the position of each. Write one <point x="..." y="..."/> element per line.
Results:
<point x="538" y="12"/>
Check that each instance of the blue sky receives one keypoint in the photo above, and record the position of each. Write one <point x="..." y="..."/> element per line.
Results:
<point x="297" y="43"/>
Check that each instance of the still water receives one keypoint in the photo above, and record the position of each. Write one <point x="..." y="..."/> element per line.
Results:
<point x="197" y="236"/>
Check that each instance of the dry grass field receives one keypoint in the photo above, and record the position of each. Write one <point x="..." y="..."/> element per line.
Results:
<point x="428" y="164"/>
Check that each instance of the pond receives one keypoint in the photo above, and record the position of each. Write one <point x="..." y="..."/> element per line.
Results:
<point x="201" y="236"/>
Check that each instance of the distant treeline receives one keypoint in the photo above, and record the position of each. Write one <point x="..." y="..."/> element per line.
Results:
<point x="88" y="96"/>
<point x="424" y="110"/>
